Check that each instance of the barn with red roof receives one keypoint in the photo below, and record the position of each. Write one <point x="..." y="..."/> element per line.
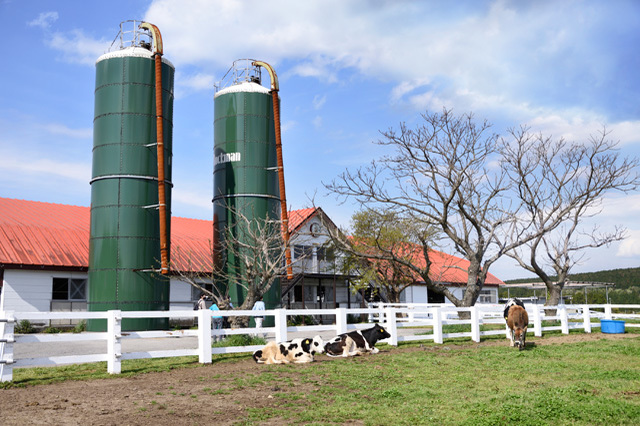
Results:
<point x="44" y="252"/>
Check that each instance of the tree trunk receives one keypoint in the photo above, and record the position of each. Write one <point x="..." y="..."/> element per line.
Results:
<point x="554" y="297"/>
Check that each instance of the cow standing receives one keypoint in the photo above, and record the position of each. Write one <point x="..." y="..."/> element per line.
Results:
<point x="517" y="321"/>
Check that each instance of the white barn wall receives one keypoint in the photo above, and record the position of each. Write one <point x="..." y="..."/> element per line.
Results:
<point x="414" y="294"/>
<point x="418" y="294"/>
<point x="29" y="291"/>
<point x="179" y="295"/>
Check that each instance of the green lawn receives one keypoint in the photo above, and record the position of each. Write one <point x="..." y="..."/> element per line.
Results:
<point x="459" y="382"/>
<point x="580" y="383"/>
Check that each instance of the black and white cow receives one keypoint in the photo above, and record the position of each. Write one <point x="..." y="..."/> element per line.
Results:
<point x="356" y="342"/>
<point x="297" y="351"/>
<point x="511" y="302"/>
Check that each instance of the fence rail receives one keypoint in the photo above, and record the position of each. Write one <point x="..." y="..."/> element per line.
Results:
<point x="405" y="322"/>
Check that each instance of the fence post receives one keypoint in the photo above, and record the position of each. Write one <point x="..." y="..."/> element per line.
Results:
<point x="281" y="325"/>
<point x="341" y="320"/>
<point x="564" y="320"/>
<point x="392" y="325"/>
<point x="114" y="344"/>
<point x="537" y="322"/>
<point x="607" y="312"/>
<point x="6" y="347"/>
<point x="437" y="325"/>
<point x="586" y="316"/>
<point x="475" y="324"/>
<point x="204" y="336"/>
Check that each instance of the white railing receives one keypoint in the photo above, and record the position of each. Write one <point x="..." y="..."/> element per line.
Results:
<point x="405" y="322"/>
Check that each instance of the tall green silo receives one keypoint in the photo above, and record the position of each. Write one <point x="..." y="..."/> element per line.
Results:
<point x="124" y="248"/>
<point x="245" y="178"/>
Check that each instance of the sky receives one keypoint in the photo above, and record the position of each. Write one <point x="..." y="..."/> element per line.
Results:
<point x="347" y="70"/>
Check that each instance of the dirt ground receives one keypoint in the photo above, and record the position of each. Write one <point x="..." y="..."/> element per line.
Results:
<point x="204" y="395"/>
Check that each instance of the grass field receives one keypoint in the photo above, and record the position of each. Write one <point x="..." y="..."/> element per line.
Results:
<point x="578" y="382"/>
<point x="582" y="383"/>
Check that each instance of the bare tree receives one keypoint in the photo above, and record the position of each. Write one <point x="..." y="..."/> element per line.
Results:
<point x="445" y="174"/>
<point x="561" y="185"/>
<point x="250" y="253"/>
<point x="379" y="248"/>
<point x="199" y="274"/>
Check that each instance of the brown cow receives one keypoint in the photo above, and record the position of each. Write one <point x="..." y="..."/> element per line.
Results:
<point x="518" y="320"/>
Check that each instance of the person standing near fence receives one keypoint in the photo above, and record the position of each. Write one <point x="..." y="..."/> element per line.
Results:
<point x="202" y="302"/>
<point x="258" y="306"/>
<point x="216" y="322"/>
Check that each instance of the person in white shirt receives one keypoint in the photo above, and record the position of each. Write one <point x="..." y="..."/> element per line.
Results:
<point x="258" y="306"/>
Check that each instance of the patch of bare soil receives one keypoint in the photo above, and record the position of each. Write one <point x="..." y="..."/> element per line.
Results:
<point x="215" y="394"/>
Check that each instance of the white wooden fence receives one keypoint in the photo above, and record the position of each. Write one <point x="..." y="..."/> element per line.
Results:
<point x="405" y="322"/>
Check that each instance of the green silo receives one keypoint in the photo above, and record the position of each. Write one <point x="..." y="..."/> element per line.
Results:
<point x="124" y="249"/>
<point x="245" y="178"/>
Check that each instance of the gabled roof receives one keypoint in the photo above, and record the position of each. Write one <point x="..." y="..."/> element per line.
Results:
<point x="34" y="234"/>
<point x="445" y="268"/>
<point x="297" y="218"/>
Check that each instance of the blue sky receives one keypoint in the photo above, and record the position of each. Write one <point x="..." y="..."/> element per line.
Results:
<point x="347" y="70"/>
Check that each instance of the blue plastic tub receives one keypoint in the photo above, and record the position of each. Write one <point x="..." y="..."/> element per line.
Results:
<point x="612" y="326"/>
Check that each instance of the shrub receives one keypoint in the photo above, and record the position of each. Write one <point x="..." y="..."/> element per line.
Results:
<point x="80" y="327"/>
<point x="300" y="320"/>
<point x="354" y="319"/>
<point x="52" y="330"/>
<point x="239" y="340"/>
<point x="24" y="327"/>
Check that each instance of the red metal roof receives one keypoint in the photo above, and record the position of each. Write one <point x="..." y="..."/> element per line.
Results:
<point x="33" y="233"/>
<point x="445" y="268"/>
<point x="37" y="234"/>
<point x="298" y="217"/>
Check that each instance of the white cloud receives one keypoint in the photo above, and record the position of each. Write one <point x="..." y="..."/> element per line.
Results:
<point x="186" y="84"/>
<point x="630" y="246"/>
<point x="319" y="101"/>
<point x="21" y="166"/>
<point x="496" y="57"/>
<point x="44" y="20"/>
<point x="78" y="48"/>
<point x="60" y="129"/>
<point x="317" y="122"/>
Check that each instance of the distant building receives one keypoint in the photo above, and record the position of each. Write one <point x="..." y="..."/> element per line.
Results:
<point x="44" y="260"/>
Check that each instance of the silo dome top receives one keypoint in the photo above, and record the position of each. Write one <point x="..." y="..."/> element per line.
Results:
<point x="243" y="87"/>
<point x="132" y="41"/>
<point x="133" y="51"/>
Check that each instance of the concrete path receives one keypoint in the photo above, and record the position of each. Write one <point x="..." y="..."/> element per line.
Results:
<point x="41" y="350"/>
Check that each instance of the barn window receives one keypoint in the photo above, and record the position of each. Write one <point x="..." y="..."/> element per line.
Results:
<point x="196" y="292"/>
<point x="486" y="296"/>
<point x="325" y="254"/>
<point x="302" y="251"/>
<point x="69" y="289"/>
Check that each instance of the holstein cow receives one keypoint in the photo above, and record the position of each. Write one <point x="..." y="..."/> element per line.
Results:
<point x="511" y="302"/>
<point x="356" y="342"/>
<point x="297" y="351"/>
<point x="517" y="321"/>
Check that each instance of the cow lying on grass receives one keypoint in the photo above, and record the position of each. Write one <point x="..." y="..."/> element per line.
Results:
<point x="356" y="342"/>
<point x="517" y="321"/>
<point x="297" y="351"/>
